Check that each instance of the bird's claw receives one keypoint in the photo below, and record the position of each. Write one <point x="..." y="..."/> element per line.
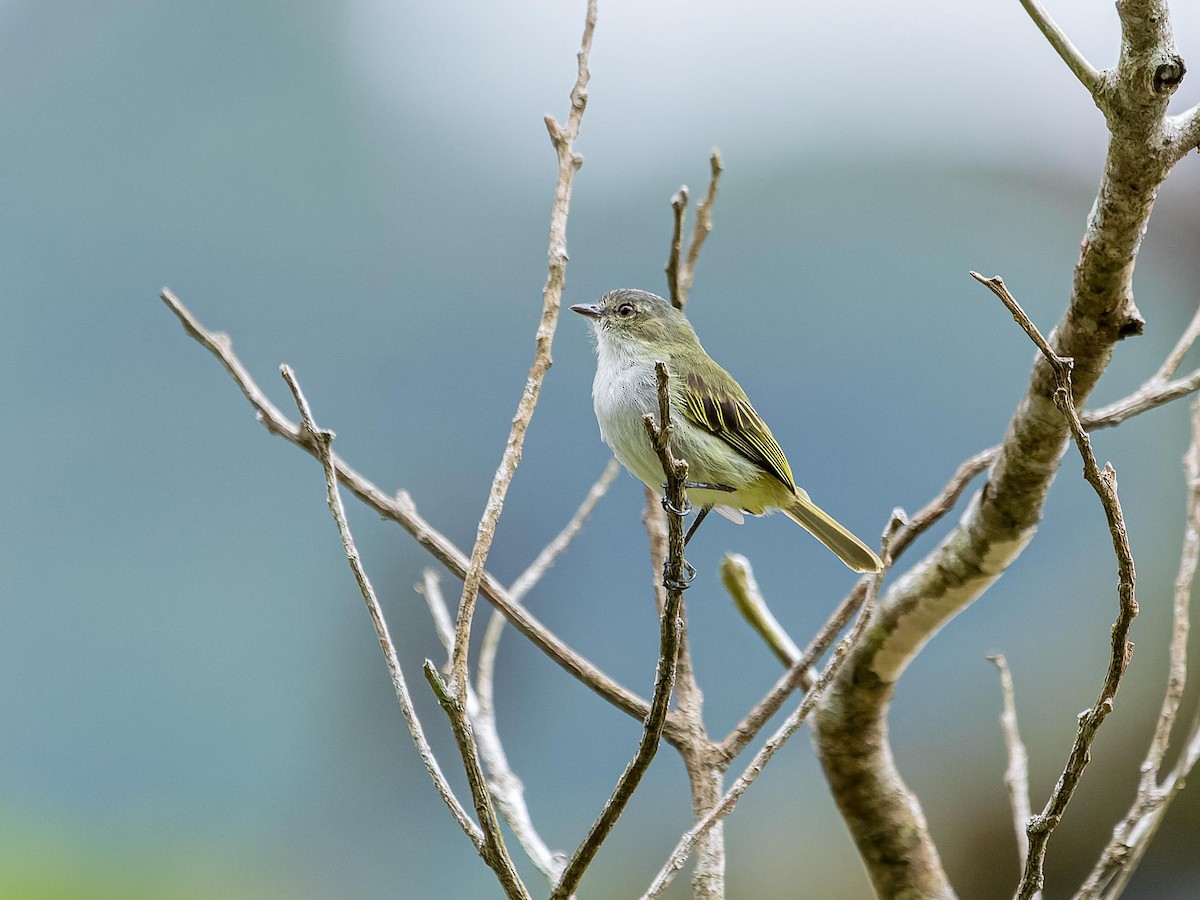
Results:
<point x="682" y="584"/>
<point x="671" y="508"/>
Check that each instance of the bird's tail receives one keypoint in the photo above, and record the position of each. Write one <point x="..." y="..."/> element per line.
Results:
<point x="826" y="529"/>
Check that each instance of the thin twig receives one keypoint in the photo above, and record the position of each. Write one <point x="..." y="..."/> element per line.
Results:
<point x="1016" y="774"/>
<point x="681" y="269"/>
<point x="1179" y="351"/>
<point x="675" y="498"/>
<point x="679" y="202"/>
<point x="1133" y="833"/>
<point x="1087" y="74"/>
<point x="568" y="164"/>
<point x="789" y="727"/>
<point x="506" y="787"/>
<point x="1104" y="483"/>
<point x="738" y="578"/>
<point x="798" y="674"/>
<point x="403" y="511"/>
<point x="320" y="440"/>
<point x="704" y="224"/>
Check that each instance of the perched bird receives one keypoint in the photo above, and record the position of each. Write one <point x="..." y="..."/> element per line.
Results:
<point x="734" y="462"/>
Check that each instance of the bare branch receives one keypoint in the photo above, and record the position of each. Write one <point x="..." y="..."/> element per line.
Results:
<point x="681" y="270"/>
<point x="568" y="164"/>
<point x="1179" y="351"/>
<point x="883" y="815"/>
<point x="1016" y="775"/>
<point x="706" y="774"/>
<point x="1133" y="833"/>
<point x="402" y="510"/>
<point x="679" y="201"/>
<point x="321" y="440"/>
<point x="789" y="727"/>
<point x="675" y="580"/>
<point x="704" y="224"/>
<point x="1104" y="483"/>
<point x="798" y="674"/>
<point x="507" y="789"/>
<point x="1149" y="396"/>
<point x="1087" y="74"/>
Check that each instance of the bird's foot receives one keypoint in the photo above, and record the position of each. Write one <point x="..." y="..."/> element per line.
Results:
<point x="671" y="508"/>
<point x="683" y="583"/>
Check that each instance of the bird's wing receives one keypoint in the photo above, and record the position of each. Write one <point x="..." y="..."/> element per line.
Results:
<point x="727" y="413"/>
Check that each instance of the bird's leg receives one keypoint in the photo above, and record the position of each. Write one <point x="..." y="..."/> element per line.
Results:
<point x="704" y="511"/>
<point x="689" y="575"/>
<point x="689" y="569"/>
<point x="706" y="486"/>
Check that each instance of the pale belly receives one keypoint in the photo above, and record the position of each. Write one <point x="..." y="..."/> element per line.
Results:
<point x="622" y="400"/>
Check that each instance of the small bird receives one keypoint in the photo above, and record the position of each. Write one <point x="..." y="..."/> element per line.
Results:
<point x="734" y="462"/>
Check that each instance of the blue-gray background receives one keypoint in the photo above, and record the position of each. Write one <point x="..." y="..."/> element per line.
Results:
<point x="192" y="701"/>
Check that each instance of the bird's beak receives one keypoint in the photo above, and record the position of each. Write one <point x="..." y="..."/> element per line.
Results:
<point x="591" y="310"/>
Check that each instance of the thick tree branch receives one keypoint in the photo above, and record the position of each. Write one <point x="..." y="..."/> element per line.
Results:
<point x="851" y="726"/>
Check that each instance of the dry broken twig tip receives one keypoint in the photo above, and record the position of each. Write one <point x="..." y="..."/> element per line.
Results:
<point x="681" y="267"/>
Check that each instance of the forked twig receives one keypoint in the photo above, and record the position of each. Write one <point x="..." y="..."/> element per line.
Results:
<point x="321" y="440"/>
<point x="1104" y="482"/>
<point x="681" y="268"/>
<point x="1133" y="833"/>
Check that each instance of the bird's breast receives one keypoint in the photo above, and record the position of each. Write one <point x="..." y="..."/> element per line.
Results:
<point x="622" y="395"/>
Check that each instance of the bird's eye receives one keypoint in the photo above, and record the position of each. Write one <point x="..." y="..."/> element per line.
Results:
<point x="625" y="310"/>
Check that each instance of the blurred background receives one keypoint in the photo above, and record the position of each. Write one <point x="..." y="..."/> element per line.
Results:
<point x="192" y="700"/>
